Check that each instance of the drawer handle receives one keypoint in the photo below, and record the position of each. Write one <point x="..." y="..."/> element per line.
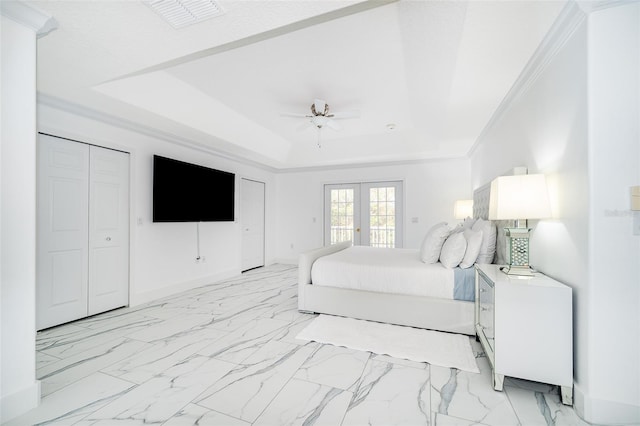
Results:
<point x="482" y="308"/>
<point x="482" y="290"/>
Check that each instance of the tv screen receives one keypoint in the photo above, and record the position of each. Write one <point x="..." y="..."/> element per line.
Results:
<point x="184" y="192"/>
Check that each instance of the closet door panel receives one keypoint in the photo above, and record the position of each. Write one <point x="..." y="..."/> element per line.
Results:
<point x="253" y="211"/>
<point x="62" y="231"/>
<point x="108" y="230"/>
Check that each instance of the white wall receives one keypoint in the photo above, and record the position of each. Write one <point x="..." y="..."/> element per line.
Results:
<point x="430" y="190"/>
<point x="19" y="389"/>
<point x="575" y="118"/>
<point x="614" y="258"/>
<point x="163" y="254"/>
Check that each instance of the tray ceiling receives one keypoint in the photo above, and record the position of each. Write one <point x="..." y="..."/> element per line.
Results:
<point x="435" y="70"/>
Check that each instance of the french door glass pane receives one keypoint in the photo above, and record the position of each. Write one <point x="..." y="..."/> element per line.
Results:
<point x="382" y="214"/>
<point x="342" y="222"/>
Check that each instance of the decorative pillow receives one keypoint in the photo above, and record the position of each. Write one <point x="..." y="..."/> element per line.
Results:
<point x="474" y="242"/>
<point x="468" y="223"/>
<point x="433" y="241"/>
<point x="453" y="250"/>
<point x="458" y="228"/>
<point x="488" y="247"/>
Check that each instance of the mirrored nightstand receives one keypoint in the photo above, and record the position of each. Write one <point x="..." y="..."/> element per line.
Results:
<point x="525" y="325"/>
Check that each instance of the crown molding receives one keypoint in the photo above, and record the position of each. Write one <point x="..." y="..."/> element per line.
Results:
<point x="589" y="6"/>
<point x="563" y="28"/>
<point x="30" y="16"/>
<point x="373" y="164"/>
<point x="112" y="120"/>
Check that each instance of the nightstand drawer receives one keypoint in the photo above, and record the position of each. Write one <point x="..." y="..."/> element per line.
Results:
<point x="486" y="304"/>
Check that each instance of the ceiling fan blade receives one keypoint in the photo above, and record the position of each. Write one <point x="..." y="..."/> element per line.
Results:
<point x="305" y="125"/>
<point x="294" y="114"/>
<point x="332" y="124"/>
<point x="346" y="114"/>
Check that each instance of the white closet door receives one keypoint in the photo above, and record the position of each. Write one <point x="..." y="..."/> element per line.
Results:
<point x="62" y="237"/>
<point x="252" y="224"/>
<point x="108" y="230"/>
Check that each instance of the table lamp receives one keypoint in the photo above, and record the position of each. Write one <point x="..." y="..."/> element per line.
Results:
<point x="463" y="209"/>
<point x="519" y="198"/>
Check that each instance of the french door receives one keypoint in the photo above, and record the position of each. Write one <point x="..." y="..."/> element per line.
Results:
<point x="368" y="214"/>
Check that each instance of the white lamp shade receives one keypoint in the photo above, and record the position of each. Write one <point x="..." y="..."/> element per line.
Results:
<point x="463" y="209"/>
<point x="519" y="197"/>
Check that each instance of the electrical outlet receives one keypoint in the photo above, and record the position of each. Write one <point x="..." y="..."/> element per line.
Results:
<point x="291" y="246"/>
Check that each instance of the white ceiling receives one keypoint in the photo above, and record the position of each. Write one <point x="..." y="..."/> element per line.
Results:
<point x="435" y="69"/>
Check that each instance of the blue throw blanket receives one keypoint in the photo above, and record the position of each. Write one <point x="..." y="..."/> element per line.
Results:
<point x="464" y="287"/>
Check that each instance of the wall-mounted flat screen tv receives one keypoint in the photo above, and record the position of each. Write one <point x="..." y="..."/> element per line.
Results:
<point x="184" y="192"/>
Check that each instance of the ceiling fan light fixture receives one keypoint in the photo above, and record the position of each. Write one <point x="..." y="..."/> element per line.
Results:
<point x="319" y="121"/>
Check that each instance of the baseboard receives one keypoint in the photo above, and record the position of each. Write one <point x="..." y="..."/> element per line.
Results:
<point x="603" y="412"/>
<point x="149" y="296"/>
<point x="19" y="403"/>
<point x="285" y="261"/>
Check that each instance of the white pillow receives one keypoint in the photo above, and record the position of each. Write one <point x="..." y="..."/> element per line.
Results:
<point x="453" y="250"/>
<point x="433" y="241"/>
<point x="488" y="247"/>
<point x="458" y="228"/>
<point x="474" y="242"/>
<point x="468" y="223"/>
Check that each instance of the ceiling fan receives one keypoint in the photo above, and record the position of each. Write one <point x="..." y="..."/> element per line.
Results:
<point x="321" y="116"/>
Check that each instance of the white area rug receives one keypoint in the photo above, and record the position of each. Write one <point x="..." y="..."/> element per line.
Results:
<point x="415" y="344"/>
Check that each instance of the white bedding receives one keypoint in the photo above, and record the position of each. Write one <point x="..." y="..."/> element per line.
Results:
<point x="383" y="270"/>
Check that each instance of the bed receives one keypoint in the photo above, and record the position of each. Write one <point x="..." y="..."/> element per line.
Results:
<point x="336" y="291"/>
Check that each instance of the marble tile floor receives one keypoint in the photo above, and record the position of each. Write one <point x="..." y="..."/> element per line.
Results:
<point x="226" y="354"/>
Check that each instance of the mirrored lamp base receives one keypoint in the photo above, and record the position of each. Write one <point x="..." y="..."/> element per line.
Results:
<point x="518" y="252"/>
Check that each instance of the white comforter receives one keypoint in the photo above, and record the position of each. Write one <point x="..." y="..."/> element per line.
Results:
<point x="383" y="270"/>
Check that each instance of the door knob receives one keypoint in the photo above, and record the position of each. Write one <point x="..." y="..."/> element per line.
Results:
<point x="357" y="229"/>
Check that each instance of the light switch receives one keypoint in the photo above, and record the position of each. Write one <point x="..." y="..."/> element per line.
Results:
<point x="635" y="198"/>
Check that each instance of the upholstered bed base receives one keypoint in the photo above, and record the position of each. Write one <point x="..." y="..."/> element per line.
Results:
<point x="424" y="312"/>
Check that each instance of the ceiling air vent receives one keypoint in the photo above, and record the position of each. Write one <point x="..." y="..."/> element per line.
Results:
<point x="182" y="13"/>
